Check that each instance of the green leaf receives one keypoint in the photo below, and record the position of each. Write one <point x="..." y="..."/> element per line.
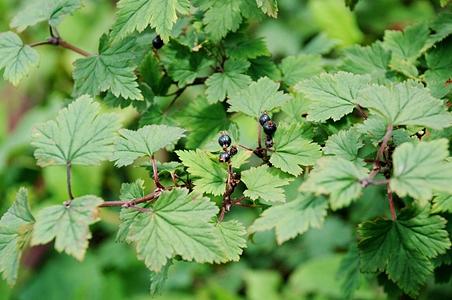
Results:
<point x="230" y="82"/>
<point x="372" y="60"/>
<point x="439" y="62"/>
<point x="68" y="224"/>
<point x="158" y="279"/>
<point x="337" y="177"/>
<point x="291" y="150"/>
<point x="16" y="226"/>
<point x="209" y="176"/>
<point x="265" y="183"/>
<point x="405" y="103"/>
<point x="442" y="203"/>
<point x="37" y="11"/>
<point x="442" y="26"/>
<point x="127" y="216"/>
<point x="406" y="47"/>
<point x="137" y="15"/>
<point x="292" y="218"/>
<point x="349" y="272"/>
<point x="176" y="224"/>
<point x="345" y="144"/>
<point x="403" y="248"/>
<point x="80" y="135"/>
<point x="112" y="69"/>
<point x="421" y="169"/>
<point x="16" y="58"/>
<point x="259" y="96"/>
<point x="232" y="237"/>
<point x="302" y="66"/>
<point x="144" y="142"/>
<point x="351" y="3"/>
<point x="241" y="46"/>
<point x="269" y="7"/>
<point x="332" y="95"/>
<point x="218" y="23"/>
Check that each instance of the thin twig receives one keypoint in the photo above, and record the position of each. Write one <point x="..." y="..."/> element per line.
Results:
<point x="391" y="202"/>
<point x="156" y="173"/>
<point x="129" y="203"/>
<point x="69" y="180"/>
<point x="259" y="136"/>
<point x="57" y="41"/>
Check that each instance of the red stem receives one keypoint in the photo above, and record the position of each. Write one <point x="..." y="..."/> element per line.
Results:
<point x="391" y="202"/>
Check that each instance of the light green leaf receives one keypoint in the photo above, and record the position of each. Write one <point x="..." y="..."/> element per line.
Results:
<point x="16" y="58"/>
<point x="302" y="66"/>
<point x="176" y="224"/>
<point x="339" y="178"/>
<point x="403" y="248"/>
<point x="68" y="224"/>
<point x="16" y="226"/>
<point x="265" y="183"/>
<point x="129" y="191"/>
<point x="37" y="11"/>
<point x="112" y="69"/>
<point x="145" y="141"/>
<point x="292" y="218"/>
<point x="79" y="135"/>
<point x="332" y="95"/>
<point x="442" y="203"/>
<point x="405" y="103"/>
<point x="291" y="150"/>
<point x="230" y="82"/>
<point x="260" y="96"/>
<point x="345" y="144"/>
<point x="439" y="62"/>
<point x="158" y="279"/>
<point x="372" y="60"/>
<point x="269" y="7"/>
<point x="406" y="47"/>
<point x="137" y="15"/>
<point x="218" y="23"/>
<point x="209" y="176"/>
<point x="232" y="237"/>
<point x="421" y="169"/>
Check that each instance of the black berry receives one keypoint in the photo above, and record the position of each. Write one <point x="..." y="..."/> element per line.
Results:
<point x="264" y="118"/>
<point x="224" y="157"/>
<point x="233" y="151"/>
<point x="157" y="42"/>
<point x="269" y="128"/>
<point x="224" y="140"/>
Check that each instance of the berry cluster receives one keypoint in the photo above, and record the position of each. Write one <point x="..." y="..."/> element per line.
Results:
<point x="225" y="141"/>
<point x="269" y="128"/>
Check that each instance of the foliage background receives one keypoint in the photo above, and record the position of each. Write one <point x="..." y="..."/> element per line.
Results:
<point x="305" y="267"/>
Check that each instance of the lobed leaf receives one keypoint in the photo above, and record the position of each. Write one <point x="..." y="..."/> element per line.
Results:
<point x="232" y="237"/>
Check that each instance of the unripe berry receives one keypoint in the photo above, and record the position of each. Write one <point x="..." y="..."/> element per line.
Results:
<point x="264" y="118"/>
<point x="224" y="140"/>
<point x="224" y="157"/>
<point x="157" y="42"/>
<point x="269" y="128"/>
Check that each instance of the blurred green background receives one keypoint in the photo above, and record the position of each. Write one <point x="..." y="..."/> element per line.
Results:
<point x="303" y="268"/>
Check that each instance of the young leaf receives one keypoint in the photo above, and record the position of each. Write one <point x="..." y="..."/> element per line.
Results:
<point x="218" y="24"/>
<point x="439" y="62"/>
<point x="112" y="69"/>
<point x="403" y="248"/>
<point x="291" y="150"/>
<point x="345" y="144"/>
<point x="442" y="203"/>
<point x="265" y="183"/>
<point x="232" y="237"/>
<point x="337" y="177"/>
<point x="144" y="142"/>
<point x="332" y="95"/>
<point x="68" y="225"/>
<point x="176" y="224"/>
<point x="37" y="11"/>
<point x="16" y="58"/>
<point x="230" y="82"/>
<point x="137" y="15"/>
<point x="421" y="169"/>
<point x="15" y="231"/>
<point x="79" y="135"/>
<point x="129" y="191"/>
<point x="405" y="103"/>
<point x="258" y="97"/>
<point x="372" y="60"/>
<point x="292" y="218"/>
<point x="209" y="176"/>
<point x="406" y="47"/>
<point x="302" y="66"/>
<point x="269" y="7"/>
